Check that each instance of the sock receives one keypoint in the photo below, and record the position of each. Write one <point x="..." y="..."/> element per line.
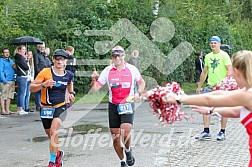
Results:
<point x="127" y="150"/>
<point x="123" y="160"/>
<point x="206" y="130"/>
<point x="53" y="157"/>
<point x="222" y="130"/>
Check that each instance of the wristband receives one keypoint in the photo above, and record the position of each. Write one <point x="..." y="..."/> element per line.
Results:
<point x="178" y="98"/>
<point x="73" y="93"/>
<point x="210" y="112"/>
<point x="43" y="85"/>
<point x="178" y="102"/>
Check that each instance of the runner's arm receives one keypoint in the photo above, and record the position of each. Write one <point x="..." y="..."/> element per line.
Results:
<point x="141" y="86"/>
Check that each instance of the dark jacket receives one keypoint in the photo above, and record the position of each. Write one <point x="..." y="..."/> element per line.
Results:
<point x="70" y="65"/>
<point x="21" y="65"/>
<point x="133" y="61"/>
<point x="198" y="64"/>
<point x="41" y="61"/>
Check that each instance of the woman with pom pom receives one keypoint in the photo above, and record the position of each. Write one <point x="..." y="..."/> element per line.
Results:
<point x="232" y="104"/>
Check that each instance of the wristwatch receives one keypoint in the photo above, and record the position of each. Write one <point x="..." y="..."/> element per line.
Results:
<point x="43" y="85"/>
<point x="178" y="98"/>
<point x="210" y="112"/>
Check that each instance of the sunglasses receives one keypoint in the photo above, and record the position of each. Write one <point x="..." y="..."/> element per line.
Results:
<point x="59" y="58"/>
<point x="118" y="53"/>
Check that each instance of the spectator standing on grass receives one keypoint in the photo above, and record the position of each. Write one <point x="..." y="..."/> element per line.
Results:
<point x="22" y="69"/>
<point x="41" y="61"/>
<point x="30" y="79"/>
<point x="134" y="58"/>
<point x="71" y="66"/>
<point x="199" y="66"/>
<point x="7" y="83"/>
<point x="217" y="67"/>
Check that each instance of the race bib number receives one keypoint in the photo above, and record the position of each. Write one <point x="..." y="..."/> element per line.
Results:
<point x="124" y="108"/>
<point x="47" y="113"/>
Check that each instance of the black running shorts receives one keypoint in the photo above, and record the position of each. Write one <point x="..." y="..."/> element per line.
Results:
<point x="59" y="112"/>
<point x="115" y="120"/>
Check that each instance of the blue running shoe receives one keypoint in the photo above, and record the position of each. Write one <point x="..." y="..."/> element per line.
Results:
<point x="204" y="136"/>
<point x="221" y="136"/>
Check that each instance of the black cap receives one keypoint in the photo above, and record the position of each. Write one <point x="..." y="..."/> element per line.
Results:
<point x="60" y="52"/>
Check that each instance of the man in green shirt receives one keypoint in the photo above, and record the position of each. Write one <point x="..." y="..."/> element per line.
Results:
<point x="217" y="67"/>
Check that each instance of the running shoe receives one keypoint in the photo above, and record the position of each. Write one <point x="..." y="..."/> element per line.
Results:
<point x="204" y="136"/>
<point x="130" y="158"/>
<point x="51" y="164"/>
<point x="221" y="136"/>
<point x="22" y="112"/>
<point x="123" y="164"/>
<point x="59" y="162"/>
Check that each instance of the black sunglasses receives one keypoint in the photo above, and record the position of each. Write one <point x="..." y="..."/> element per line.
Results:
<point x="118" y="53"/>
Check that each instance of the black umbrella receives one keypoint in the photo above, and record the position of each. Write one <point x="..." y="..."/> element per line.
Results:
<point x="225" y="47"/>
<point x="26" y="40"/>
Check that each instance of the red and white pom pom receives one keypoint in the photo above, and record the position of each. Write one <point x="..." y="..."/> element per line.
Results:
<point x="228" y="84"/>
<point x="167" y="113"/>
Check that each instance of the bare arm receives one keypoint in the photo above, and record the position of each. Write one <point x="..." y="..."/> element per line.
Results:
<point x="222" y="92"/>
<point x="141" y="86"/>
<point x="95" y="88"/>
<point x="36" y="85"/>
<point x="228" y="112"/>
<point x="229" y="69"/>
<point x="232" y="99"/>
<point x="70" y="89"/>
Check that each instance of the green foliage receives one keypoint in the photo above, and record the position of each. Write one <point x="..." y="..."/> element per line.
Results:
<point x="61" y="25"/>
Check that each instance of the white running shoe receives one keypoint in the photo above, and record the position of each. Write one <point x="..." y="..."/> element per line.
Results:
<point x="22" y="112"/>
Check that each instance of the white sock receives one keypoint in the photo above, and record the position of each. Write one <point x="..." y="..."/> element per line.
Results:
<point x="123" y="160"/>
<point x="127" y="150"/>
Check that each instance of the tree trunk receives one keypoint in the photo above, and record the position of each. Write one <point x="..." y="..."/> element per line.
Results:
<point x="156" y="7"/>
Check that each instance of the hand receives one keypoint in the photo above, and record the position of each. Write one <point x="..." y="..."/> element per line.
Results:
<point x="198" y="90"/>
<point x="170" y="98"/>
<point x="71" y="98"/>
<point x="49" y="83"/>
<point x="136" y="97"/>
<point x="144" y="95"/>
<point x="95" y="74"/>
<point x="201" y="109"/>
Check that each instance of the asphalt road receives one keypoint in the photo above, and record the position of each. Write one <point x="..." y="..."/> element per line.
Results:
<point x="23" y="142"/>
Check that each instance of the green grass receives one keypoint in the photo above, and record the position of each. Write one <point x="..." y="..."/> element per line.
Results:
<point x="189" y="88"/>
<point x="91" y="98"/>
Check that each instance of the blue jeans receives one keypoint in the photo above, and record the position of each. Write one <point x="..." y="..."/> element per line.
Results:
<point x="37" y="98"/>
<point x="22" y="87"/>
<point x="27" y="96"/>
